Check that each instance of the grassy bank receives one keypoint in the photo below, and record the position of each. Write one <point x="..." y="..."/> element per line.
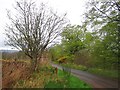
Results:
<point x="46" y="78"/>
<point x="113" y="74"/>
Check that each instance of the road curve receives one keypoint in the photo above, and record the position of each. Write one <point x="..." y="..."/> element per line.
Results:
<point x="93" y="80"/>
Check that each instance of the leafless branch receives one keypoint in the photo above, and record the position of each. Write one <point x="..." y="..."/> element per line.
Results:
<point x="33" y="29"/>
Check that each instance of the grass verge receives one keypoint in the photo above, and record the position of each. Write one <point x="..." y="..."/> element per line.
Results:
<point x="46" y="78"/>
<point x="113" y="74"/>
<point x="64" y="81"/>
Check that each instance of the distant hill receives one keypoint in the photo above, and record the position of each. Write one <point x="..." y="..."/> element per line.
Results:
<point x="9" y="51"/>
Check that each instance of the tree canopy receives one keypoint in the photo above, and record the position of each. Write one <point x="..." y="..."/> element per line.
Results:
<point x="96" y="42"/>
<point x="33" y="28"/>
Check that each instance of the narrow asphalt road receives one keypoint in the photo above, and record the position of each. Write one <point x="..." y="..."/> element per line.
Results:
<point x="93" y="80"/>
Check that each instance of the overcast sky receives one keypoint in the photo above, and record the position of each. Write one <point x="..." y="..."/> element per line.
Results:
<point x="73" y="8"/>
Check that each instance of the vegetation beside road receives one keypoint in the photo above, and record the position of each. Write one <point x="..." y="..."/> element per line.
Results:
<point x="45" y="77"/>
<point x="67" y="82"/>
<point x="94" y="45"/>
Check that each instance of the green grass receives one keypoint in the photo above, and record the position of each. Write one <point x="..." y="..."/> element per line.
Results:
<point x="113" y="74"/>
<point x="67" y="81"/>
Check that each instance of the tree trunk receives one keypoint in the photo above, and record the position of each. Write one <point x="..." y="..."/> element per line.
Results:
<point x="34" y="64"/>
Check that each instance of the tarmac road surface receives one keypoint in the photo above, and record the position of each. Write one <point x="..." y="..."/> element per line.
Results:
<point x="93" y="80"/>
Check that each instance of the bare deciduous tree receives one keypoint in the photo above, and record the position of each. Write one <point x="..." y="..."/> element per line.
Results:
<point x="32" y="29"/>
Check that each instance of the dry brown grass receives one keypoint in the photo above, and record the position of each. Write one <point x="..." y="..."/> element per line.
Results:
<point x="13" y="71"/>
<point x="16" y="74"/>
<point x="39" y="78"/>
